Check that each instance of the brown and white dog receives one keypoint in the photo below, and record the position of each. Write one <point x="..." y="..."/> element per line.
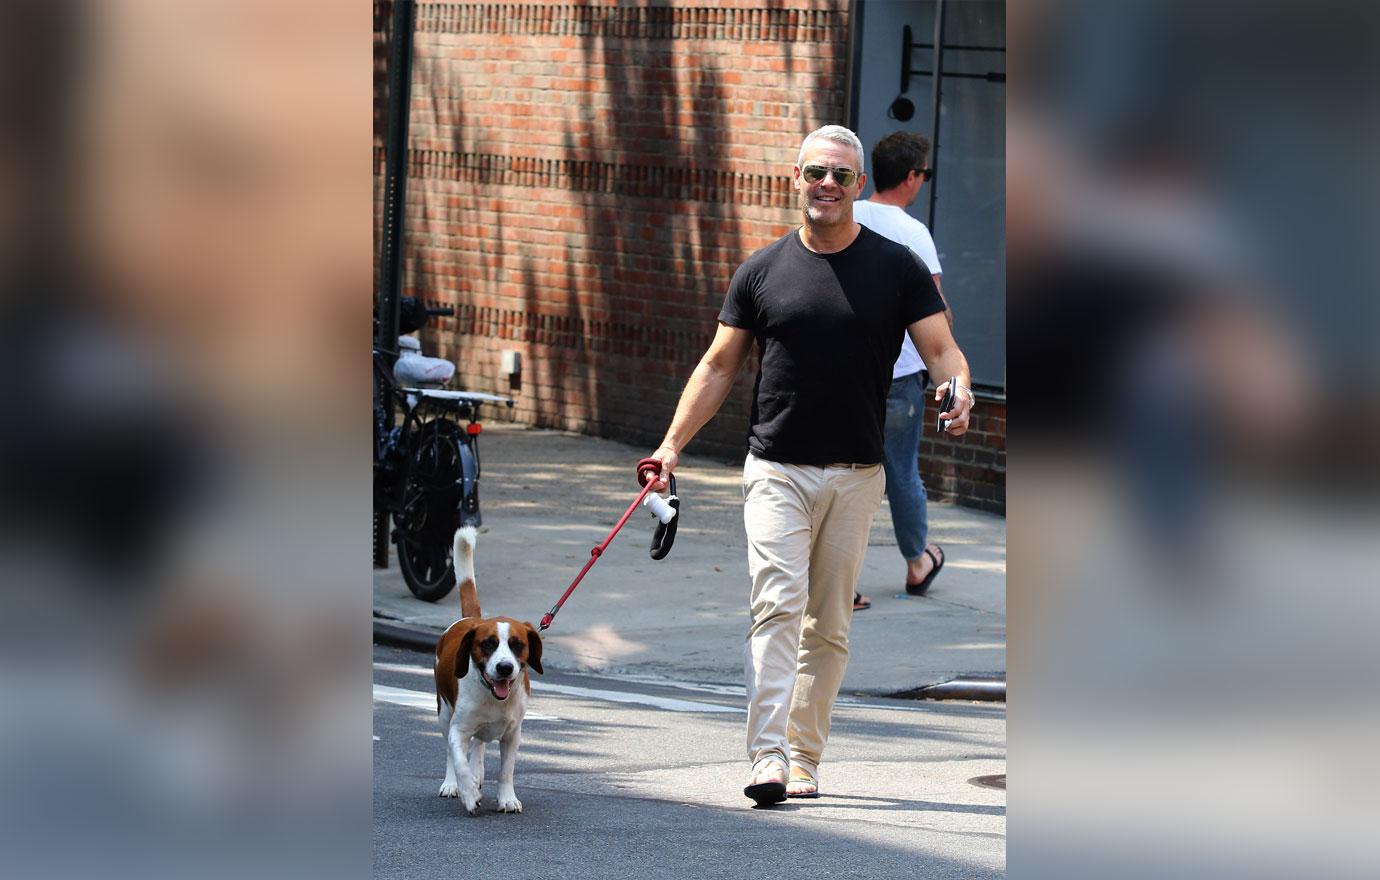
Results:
<point x="482" y="688"/>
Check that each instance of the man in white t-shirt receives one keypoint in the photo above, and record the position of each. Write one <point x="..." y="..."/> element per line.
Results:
<point x="900" y="167"/>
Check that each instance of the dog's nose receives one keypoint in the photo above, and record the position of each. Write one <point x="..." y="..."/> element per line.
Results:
<point x="504" y="669"/>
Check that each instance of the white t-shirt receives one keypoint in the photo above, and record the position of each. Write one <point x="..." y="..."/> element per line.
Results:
<point x="897" y="225"/>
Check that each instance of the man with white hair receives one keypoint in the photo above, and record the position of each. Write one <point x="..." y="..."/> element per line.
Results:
<point x="827" y="305"/>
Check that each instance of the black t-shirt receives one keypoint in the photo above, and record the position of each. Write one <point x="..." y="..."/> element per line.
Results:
<point x="829" y="327"/>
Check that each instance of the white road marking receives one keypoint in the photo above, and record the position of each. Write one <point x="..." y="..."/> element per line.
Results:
<point x="723" y="690"/>
<point x="422" y="700"/>
<point x="405" y="667"/>
<point x="402" y="697"/>
<point x="668" y="703"/>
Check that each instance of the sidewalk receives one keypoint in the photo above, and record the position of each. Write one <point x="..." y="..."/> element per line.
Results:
<point x="548" y="497"/>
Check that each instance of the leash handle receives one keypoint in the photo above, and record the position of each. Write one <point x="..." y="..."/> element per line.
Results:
<point x="646" y="469"/>
<point x="665" y="534"/>
<point x="668" y="512"/>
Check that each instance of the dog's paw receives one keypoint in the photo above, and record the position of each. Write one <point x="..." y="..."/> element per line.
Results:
<point x="472" y="799"/>
<point x="509" y="804"/>
<point x="449" y="789"/>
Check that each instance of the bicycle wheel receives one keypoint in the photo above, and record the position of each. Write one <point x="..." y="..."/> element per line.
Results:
<point x="426" y="568"/>
<point x="430" y="512"/>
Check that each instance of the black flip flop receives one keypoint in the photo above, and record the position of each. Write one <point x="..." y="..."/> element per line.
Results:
<point x="767" y="793"/>
<point x="861" y="604"/>
<point x="921" y="588"/>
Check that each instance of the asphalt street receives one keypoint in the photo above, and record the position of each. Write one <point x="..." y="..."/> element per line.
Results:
<point x="621" y="777"/>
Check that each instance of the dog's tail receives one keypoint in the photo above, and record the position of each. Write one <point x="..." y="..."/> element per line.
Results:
<point x="463" y="556"/>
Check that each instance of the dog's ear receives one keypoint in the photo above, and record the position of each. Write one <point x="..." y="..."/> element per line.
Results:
<point x="462" y="657"/>
<point x="533" y="648"/>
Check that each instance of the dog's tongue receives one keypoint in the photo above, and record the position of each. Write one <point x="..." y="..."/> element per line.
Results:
<point x="501" y="690"/>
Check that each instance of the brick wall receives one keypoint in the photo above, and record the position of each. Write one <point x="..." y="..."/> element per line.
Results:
<point x="585" y="177"/>
<point x="971" y="469"/>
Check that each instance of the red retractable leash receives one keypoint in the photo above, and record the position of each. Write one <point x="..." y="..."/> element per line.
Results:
<point x="666" y="511"/>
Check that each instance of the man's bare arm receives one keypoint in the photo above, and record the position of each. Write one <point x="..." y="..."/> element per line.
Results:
<point x="948" y="310"/>
<point x="704" y="393"/>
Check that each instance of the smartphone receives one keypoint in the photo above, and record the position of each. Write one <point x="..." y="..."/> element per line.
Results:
<point x="946" y="405"/>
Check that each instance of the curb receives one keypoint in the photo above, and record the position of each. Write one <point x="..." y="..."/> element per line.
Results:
<point x="975" y="688"/>
<point x="971" y="688"/>
<point x="398" y="636"/>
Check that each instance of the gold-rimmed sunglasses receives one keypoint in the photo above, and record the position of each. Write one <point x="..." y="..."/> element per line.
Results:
<point x="842" y="176"/>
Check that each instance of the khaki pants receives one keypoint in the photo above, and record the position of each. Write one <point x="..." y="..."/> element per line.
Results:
<point x="807" y="530"/>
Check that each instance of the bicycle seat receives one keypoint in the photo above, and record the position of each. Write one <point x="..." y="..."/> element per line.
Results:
<point x="415" y="368"/>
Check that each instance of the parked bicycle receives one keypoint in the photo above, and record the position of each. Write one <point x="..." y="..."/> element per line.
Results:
<point x="426" y="464"/>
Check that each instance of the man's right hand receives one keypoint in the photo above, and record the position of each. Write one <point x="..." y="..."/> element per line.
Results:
<point x="669" y="459"/>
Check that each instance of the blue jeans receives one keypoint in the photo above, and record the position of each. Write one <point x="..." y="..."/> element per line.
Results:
<point x="905" y="491"/>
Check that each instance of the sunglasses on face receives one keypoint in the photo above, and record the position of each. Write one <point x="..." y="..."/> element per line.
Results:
<point x="816" y="173"/>
<point x="926" y="173"/>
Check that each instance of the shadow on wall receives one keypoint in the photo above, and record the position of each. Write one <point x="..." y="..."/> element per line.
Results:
<point x="646" y="244"/>
<point x="426" y="272"/>
<point x="664" y="244"/>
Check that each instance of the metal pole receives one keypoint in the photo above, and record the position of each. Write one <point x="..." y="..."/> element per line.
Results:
<point x="395" y="174"/>
<point x="938" y="67"/>
<point x="388" y="299"/>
